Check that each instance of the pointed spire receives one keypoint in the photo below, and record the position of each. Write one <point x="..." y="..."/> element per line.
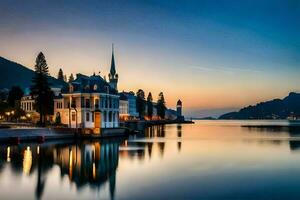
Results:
<point x="112" y="67"/>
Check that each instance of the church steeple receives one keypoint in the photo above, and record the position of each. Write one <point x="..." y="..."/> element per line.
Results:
<point x="112" y="66"/>
<point x="113" y="76"/>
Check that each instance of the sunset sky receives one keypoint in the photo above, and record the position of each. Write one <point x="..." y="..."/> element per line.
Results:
<point x="216" y="56"/>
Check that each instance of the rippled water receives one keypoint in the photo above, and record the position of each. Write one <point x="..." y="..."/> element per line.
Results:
<point x="208" y="160"/>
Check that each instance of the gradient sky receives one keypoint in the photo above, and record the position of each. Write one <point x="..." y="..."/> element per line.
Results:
<point x="215" y="56"/>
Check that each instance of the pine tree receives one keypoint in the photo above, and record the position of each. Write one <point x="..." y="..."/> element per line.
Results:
<point x="140" y="103"/>
<point x="60" y="75"/>
<point x="149" y="105"/>
<point x="71" y="78"/>
<point x="161" y="106"/>
<point x="15" y="94"/>
<point x="40" y="89"/>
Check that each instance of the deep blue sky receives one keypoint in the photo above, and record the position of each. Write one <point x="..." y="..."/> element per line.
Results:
<point x="214" y="55"/>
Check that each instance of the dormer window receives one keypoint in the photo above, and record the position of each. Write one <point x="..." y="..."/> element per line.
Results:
<point x="71" y="88"/>
<point x="95" y="87"/>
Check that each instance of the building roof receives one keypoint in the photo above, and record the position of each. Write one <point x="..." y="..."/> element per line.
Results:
<point x="179" y="103"/>
<point x="90" y="84"/>
<point x="123" y="96"/>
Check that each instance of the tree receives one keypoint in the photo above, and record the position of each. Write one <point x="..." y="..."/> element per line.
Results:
<point x="40" y="89"/>
<point x="149" y="105"/>
<point x="15" y="94"/>
<point x="140" y="103"/>
<point x="161" y="106"/>
<point x="71" y="78"/>
<point x="65" y="78"/>
<point x="60" y="75"/>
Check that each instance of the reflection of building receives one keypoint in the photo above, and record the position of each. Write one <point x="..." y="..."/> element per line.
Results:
<point x="91" y="164"/>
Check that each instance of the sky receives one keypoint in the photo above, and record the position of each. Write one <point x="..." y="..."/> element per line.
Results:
<point x="216" y="56"/>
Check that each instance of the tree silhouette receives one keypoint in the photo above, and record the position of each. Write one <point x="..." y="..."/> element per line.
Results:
<point x="71" y="78"/>
<point x="60" y="75"/>
<point x="15" y="94"/>
<point x="149" y="105"/>
<point x="140" y="103"/>
<point x="40" y="89"/>
<point x="161" y="106"/>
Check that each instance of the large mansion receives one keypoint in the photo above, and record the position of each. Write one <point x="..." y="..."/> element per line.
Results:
<point x="91" y="102"/>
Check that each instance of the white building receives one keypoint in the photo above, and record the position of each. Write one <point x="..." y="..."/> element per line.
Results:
<point x="131" y="99"/>
<point x="124" y="107"/>
<point x="90" y="102"/>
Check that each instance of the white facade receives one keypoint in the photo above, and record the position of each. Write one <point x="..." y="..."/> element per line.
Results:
<point x="124" y="109"/>
<point x="83" y="105"/>
<point x="27" y="104"/>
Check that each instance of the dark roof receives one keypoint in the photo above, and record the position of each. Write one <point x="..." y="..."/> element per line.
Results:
<point x="123" y="96"/>
<point x="179" y="102"/>
<point x="90" y="84"/>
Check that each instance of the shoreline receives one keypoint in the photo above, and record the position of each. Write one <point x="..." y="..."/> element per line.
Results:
<point x="14" y="133"/>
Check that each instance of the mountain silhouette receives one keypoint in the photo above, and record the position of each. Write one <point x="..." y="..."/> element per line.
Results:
<point x="274" y="109"/>
<point x="14" y="74"/>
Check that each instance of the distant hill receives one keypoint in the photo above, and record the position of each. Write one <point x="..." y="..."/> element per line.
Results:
<point x="274" y="109"/>
<point x="14" y="74"/>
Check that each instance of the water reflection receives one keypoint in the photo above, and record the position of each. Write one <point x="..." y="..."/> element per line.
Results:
<point x="179" y="133"/>
<point x="150" y="165"/>
<point x="91" y="164"/>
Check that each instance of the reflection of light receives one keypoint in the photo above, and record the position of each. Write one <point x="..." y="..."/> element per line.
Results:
<point x="27" y="160"/>
<point x="8" y="154"/>
<point x="38" y="149"/>
<point x="94" y="171"/>
<point x="126" y="143"/>
<point x="70" y="164"/>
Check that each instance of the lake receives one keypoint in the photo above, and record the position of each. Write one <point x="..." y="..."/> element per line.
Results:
<point x="205" y="160"/>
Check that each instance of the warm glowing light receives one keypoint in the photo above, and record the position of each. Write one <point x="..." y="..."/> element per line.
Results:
<point x="27" y="160"/>
<point x="94" y="170"/>
<point x="38" y="150"/>
<point x="70" y="164"/>
<point x="7" y="113"/>
<point x="28" y="115"/>
<point x="8" y="154"/>
<point x="12" y="112"/>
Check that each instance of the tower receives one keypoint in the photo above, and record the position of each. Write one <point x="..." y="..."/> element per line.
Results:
<point x="113" y="76"/>
<point x="179" y="110"/>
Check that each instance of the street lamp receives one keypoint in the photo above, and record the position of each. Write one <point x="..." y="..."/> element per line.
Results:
<point x="7" y="114"/>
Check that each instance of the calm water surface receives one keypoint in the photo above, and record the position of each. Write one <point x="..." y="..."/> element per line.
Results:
<point x="208" y="160"/>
